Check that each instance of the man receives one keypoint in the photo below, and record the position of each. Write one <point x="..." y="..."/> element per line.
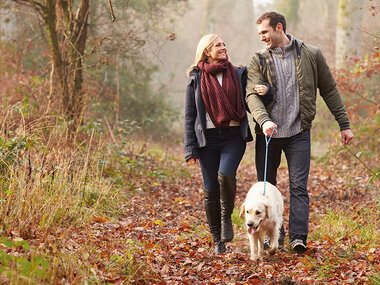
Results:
<point x="293" y="71"/>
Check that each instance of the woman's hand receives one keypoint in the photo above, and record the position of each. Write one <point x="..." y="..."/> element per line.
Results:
<point x="261" y="89"/>
<point x="192" y="161"/>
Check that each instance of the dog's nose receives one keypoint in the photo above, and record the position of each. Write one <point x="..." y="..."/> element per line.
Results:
<point x="249" y="224"/>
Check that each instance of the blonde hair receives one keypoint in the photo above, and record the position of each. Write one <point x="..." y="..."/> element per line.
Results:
<point x="204" y="43"/>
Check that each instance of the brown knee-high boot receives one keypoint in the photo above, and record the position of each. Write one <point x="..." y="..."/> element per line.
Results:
<point x="227" y="197"/>
<point x="212" y="207"/>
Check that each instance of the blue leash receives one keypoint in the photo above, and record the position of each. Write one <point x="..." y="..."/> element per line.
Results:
<point x="267" y="140"/>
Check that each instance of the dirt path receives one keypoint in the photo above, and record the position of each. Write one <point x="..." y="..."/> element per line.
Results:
<point x="162" y="237"/>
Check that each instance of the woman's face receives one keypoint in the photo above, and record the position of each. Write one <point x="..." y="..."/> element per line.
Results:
<point x="217" y="52"/>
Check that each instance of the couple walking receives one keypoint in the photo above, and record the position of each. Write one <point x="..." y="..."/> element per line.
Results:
<point x="279" y="89"/>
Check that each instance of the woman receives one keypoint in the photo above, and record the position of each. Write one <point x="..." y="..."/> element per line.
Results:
<point x="216" y="131"/>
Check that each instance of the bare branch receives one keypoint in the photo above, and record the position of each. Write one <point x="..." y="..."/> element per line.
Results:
<point x="38" y="6"/>
<point x="364" y="31"/>
<point x="81" y="17"/>
<point x="361" y="161"/>
<point x="366" y="99"/>
<point x="111" y="11"/>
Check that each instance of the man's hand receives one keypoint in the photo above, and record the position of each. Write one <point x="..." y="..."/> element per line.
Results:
<point x="192" y="161"/>
<point x="268" y="127"/>
<point x="346" y="136"/>
<point x="261" y="89"/>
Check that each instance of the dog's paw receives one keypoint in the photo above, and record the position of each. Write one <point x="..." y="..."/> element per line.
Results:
<point x="254" y="257"/>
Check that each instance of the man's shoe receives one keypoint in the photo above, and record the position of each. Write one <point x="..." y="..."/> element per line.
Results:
<point x="298" y="246"/>
<point x="281" y="239"/>
<point x="266" y="242"/>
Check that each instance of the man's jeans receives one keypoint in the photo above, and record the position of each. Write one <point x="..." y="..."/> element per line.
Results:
<point x="224" y="150"/>
<point x="297" y="153"/>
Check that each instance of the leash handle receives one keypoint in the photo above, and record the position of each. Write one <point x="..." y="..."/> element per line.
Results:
<point x="267" y="140"/>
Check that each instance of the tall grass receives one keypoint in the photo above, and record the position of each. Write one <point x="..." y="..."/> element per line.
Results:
<point x="347" y="234"/>
<point x="359" y="229"/>
<point x="48" y="177"/>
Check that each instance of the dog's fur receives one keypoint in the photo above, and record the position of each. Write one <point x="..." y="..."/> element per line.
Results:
<point x="263" y="215"/>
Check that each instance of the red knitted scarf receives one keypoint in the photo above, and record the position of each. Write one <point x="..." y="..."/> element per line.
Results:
<point x="223" y="103"/>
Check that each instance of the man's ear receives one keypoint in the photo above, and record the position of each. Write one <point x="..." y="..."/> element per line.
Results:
<point x="242" y="210"/>
<point x="279" y="27"/>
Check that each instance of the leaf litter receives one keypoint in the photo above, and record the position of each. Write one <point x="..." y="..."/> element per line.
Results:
<point x="161" y="237"/>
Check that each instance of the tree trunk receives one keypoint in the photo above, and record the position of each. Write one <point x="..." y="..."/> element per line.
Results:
<point x="117" y="97"/>
<point x="75" y="96"/>
<point x="208" y="18"/>
<point x="50" y="19"/>
<point x="66" y="36"/>
<point x="290" y="10"/>
<point x="347" y="33"/>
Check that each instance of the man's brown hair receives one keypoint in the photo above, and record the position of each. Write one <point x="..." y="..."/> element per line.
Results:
<point x="274" y="19"/>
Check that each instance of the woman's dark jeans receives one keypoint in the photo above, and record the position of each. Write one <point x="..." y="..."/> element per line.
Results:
<point x="224" y="150"/>
<point x="297" y="153"/>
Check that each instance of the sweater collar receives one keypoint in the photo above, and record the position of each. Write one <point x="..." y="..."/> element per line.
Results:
<point x="288" y="48"/>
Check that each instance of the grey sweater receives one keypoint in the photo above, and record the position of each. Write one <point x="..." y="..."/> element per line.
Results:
<point x="285" y="111"/>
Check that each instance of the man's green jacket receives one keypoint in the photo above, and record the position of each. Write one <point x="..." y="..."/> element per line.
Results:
<point x="312" y="73"/>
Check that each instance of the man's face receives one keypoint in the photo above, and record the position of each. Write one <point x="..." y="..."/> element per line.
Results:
<point x="268" y="35"/>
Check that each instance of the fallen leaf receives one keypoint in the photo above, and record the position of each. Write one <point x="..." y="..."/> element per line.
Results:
<point x="100" y="219"/>
<point x="159" y="223"/>
<point x="165" y="269"/>
<point x="255" y="281"/>
<point x="199" y="267"/>
<point x="268" y="267"/>
<point x="202" y="250"/>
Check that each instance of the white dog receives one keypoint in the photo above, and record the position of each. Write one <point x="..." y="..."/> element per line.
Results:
<point x="263" y="215"/>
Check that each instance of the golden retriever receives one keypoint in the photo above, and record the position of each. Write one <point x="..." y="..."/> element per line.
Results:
<point x="263" y="215"/>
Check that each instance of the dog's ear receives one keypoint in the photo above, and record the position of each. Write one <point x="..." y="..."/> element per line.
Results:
<point x="268" y="210"/>
<point x="242" y="210"/>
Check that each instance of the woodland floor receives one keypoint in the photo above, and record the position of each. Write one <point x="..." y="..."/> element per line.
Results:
<point x="162" y="238"/>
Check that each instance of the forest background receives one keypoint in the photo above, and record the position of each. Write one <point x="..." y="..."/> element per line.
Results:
<point x="92" y="96"/>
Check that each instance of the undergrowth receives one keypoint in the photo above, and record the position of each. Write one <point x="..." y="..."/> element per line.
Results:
<point x="51" y="181"/>
<point x="348" y="237"/>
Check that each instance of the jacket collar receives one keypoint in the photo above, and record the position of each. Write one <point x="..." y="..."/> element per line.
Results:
<point x="265" y="53"/>
<point x="195" y="73"/>
<point x="240" y="70"/>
